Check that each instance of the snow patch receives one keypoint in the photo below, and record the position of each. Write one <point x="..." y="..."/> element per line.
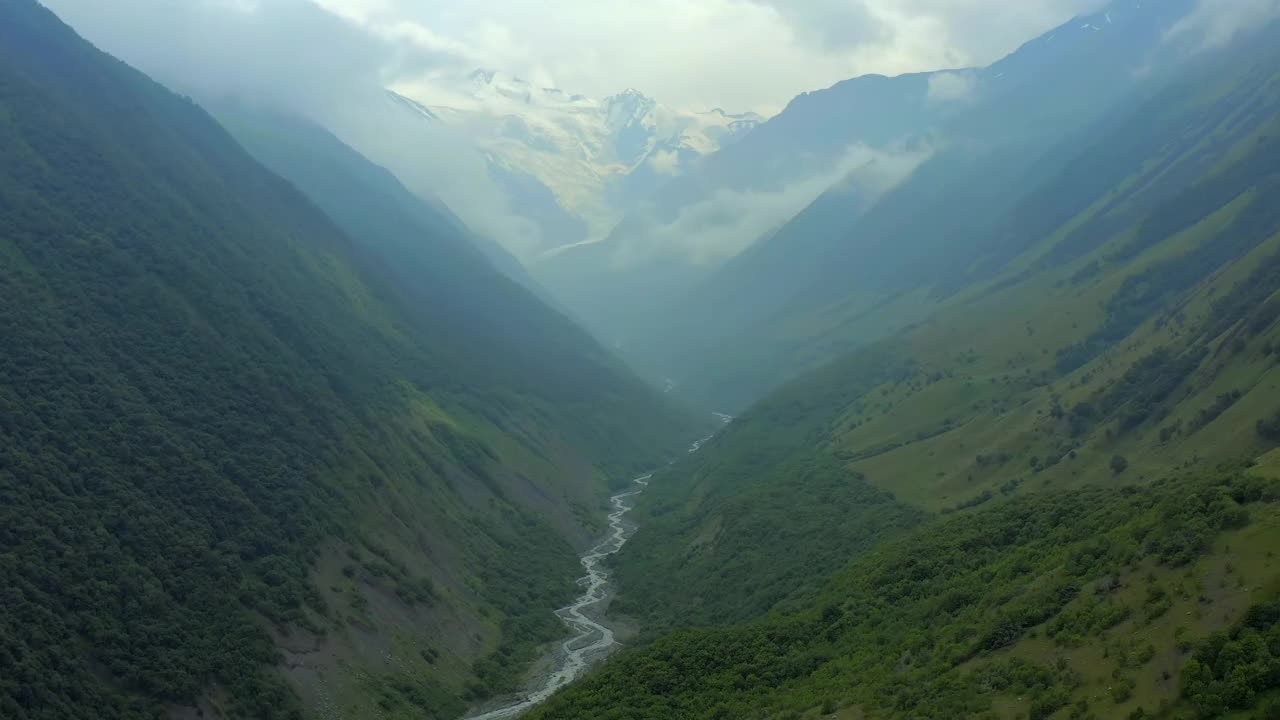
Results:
<point x="582" y="148"/>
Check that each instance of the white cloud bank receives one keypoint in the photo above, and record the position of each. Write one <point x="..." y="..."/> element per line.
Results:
<point x="329" y="58"/>
<point x="951" y="87"/>
<point x="729" y="221"/>
<point x="699" y="54"/>
<point x="1216" y="23"/>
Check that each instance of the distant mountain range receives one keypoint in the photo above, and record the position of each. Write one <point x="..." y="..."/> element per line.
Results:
<point x="596" y="158"/>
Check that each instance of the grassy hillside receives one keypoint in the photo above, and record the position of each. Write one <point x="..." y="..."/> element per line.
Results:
<point x="1148" y="345"/>
<point x="967" y="409"/>
<point x="245" y="471"/>
<point x="1139" y="602"/>
<point x="757" y="515"/>
<point x="1028" y="499"/>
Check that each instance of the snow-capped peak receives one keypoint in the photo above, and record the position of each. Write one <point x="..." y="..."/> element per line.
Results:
<point x="585" y="150"/>
<point x="627" y="109"/>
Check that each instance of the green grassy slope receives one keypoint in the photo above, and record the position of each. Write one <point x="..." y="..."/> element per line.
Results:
<point x="757" y="516"/>
<point x="1141" y="602"/>
<point x="1057" y="443"/>
<point x="243" y="473"/>
<point x="1155" y="350"/>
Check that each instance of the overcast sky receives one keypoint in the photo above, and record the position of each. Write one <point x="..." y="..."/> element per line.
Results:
<point x="695" y="54"/>
<point x="329" y="60"/>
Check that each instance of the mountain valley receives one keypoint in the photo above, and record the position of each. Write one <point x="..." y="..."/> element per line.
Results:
<point x="287" y="432"/>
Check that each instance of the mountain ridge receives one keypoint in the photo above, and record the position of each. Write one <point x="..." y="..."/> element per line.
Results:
<point x="597" y="157"/>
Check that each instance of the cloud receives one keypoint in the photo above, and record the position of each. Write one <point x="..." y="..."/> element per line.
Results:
<point x="435" y="160"/>
<point x="1215" y="23"/>
<point x="293" y="55"/>
<point x="329" y="59"/>
<point x="287" y="48"/>
<point x="665" y="162"/>
<point x="730" y="221"/>
<point x="952" y="87"/>
<point x="748" y="54"/>
<point x="834" y="24"/>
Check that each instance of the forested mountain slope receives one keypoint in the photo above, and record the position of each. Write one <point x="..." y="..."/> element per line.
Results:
<point x="1041" y="500"/>
<point x="497" y="334"/>
<point x="250" y="465"/>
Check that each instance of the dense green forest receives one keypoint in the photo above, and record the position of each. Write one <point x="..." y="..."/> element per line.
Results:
<point x="236" y="452"/>
<point x="995" y="614"/>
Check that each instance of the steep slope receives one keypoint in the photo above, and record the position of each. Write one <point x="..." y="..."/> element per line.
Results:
<point x="501" y="258"/>
<point x="1070" y="531"/>
<point x="455" y="295"/>
<point x="814" y="288"/>
<point x="250" y="466"/>
<point x="1042" y="371"/>
<point x="517" y="188"/>
<point x="766" y="511"/>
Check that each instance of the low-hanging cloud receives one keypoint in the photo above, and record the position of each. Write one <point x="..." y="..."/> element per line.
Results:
<point x="288" y="50"/>
<point x="330" y="59"/>
<point x="834" y="24"/>
<point x="750" y="54"/>
<point x="295" y="56"/>
<point x="1216" y="23"/>
<point x="665" y="162"/>
<point x="438" y="161"/>
<point x="730" y="221"/>
<point x="948" y="87"/>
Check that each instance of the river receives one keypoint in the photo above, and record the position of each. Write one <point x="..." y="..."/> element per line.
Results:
<point x="591" y="640"/>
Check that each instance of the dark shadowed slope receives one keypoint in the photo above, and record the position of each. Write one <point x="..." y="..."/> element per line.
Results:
<point x="242" y="467"/>
<point x="497" y="332"/>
